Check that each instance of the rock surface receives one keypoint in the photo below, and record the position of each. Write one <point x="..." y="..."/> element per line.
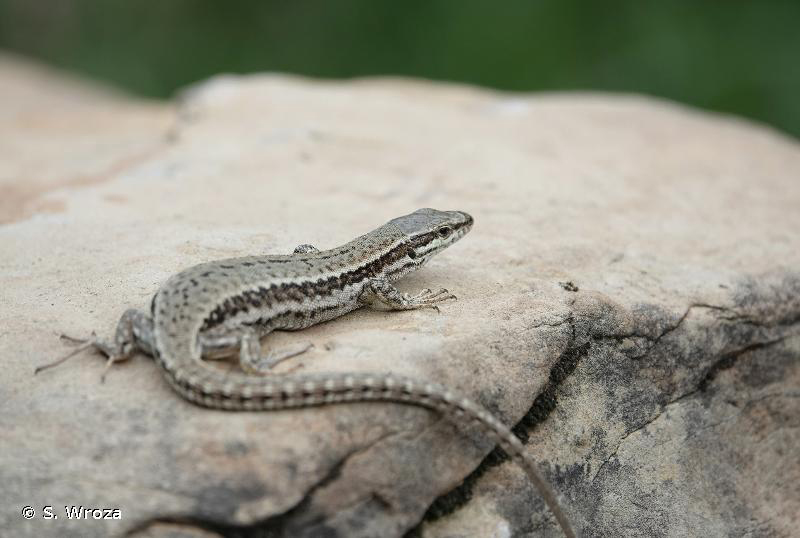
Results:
<point x="629" y="298"/>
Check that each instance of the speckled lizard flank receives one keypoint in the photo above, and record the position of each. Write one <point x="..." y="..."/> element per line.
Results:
<point x="218" y="308"/>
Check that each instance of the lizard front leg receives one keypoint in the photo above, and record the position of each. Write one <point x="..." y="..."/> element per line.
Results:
<point x="379" y="294"/>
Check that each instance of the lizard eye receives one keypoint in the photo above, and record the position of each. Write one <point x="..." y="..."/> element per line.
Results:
<point x="444" y="231"/>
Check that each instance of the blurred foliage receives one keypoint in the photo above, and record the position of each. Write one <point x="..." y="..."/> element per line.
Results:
<point x="740" y="56"/>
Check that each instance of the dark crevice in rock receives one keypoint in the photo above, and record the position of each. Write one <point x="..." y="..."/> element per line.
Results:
<point x="733" y="317"/>
<point x="728" y="360"/>
<point x="725" y="362"/>
<point x="272" y="527"/>
<point x="280" y="525"/>
<point x="651" y="340"/>
<point x="190" y="522"/>
<point x="654" y="340"/>
<point x="543" y="405"/>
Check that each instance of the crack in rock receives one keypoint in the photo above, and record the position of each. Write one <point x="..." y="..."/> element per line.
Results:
<point x="725" y="362"/>
<point x="276" y="525"/>
<point x="542" y="406"/>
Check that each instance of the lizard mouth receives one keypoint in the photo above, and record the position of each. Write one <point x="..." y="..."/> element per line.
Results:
<point x="461" y="227"/>
<point x="467" y="220"/>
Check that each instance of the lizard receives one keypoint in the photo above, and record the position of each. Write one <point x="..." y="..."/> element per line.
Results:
<point x="217" y="308"/>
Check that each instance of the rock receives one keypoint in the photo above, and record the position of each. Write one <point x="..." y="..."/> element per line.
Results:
<point x="58" y="132"/>
<point x="629" y="298"/>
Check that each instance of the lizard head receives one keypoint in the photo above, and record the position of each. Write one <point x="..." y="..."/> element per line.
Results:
<point x="429" y="231"/>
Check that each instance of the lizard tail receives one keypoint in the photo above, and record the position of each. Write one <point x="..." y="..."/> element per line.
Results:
<point x="250" y="393"/>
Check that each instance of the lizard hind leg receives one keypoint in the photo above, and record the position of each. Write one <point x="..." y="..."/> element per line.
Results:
<point x="83" y="344"/>
<point x="134" y="332"/>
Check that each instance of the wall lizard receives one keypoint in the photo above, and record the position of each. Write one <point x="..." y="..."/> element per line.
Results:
<point x="216" y="308"/>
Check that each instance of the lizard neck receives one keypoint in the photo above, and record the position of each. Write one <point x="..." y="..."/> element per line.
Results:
<point x="383" y="253"/>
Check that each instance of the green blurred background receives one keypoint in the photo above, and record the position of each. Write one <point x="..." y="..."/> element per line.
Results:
<point x="732" y="56"/>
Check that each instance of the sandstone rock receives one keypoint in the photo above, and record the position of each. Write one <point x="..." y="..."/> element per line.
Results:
<point x="629" y="298"/>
